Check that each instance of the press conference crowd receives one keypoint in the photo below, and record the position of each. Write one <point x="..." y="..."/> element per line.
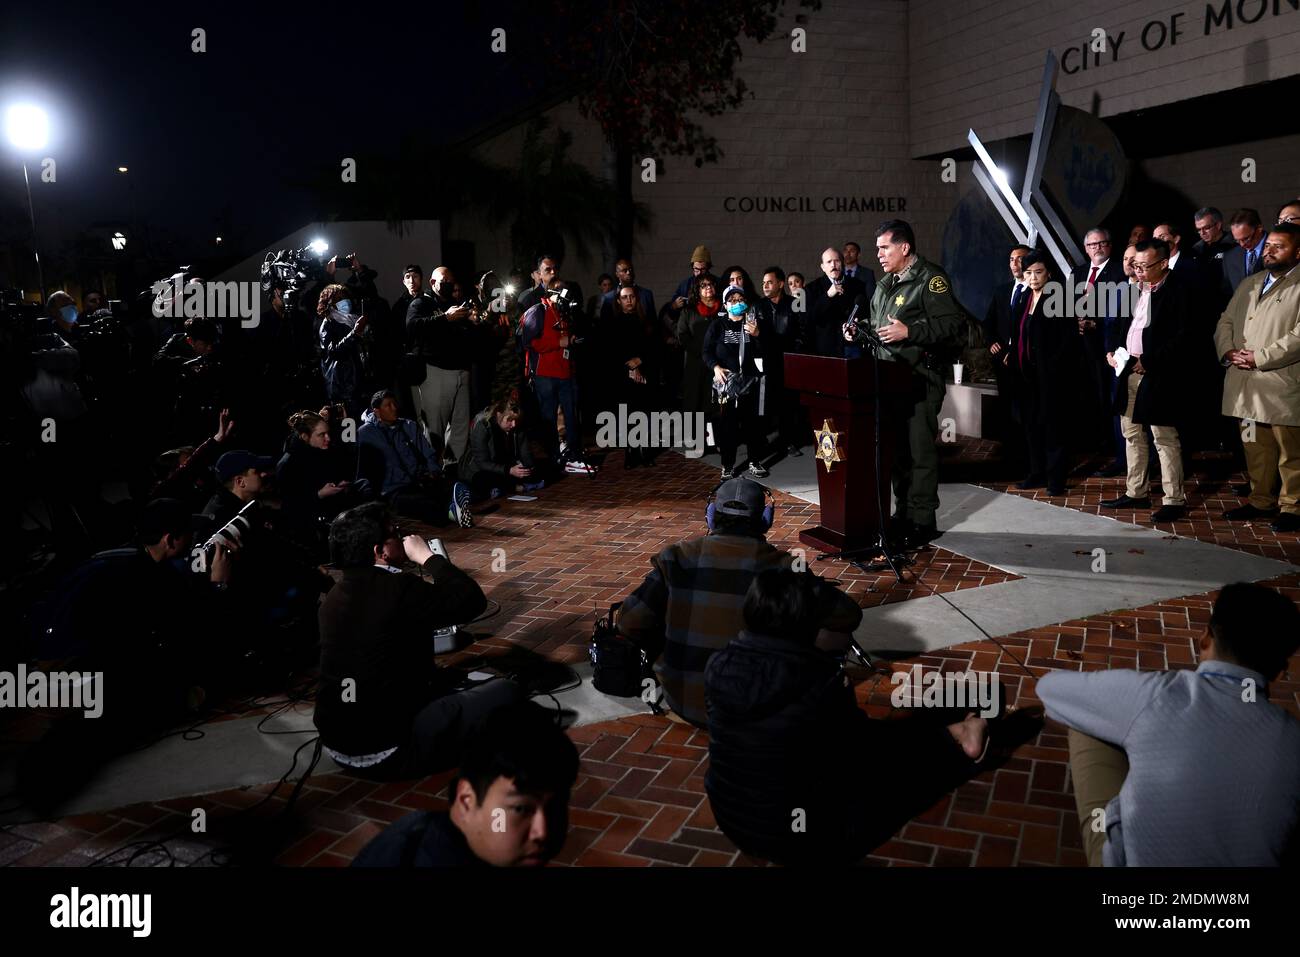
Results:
<point x="281" y="478"/>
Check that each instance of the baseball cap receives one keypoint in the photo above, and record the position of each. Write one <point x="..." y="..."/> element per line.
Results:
<point x="241" y="460"/>
<point x="734" y="288"/>
<point x="741" y="497"/>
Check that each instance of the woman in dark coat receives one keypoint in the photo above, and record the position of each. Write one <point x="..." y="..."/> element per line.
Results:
<point x="640" y="340"/>
<point x="342" y="348"/>
<point x="1043" y="356"/>
<point x="316" y="480"/>
<point x="702" y="306"/>
<point x="731" y="344"/>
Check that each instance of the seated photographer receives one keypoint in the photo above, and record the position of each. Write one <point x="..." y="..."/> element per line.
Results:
<point x="1190" y="768"/>
<point x="519" y="761"/>
<point x="142" y="617"/>
<point x="689" y="605"/>
<point x="395" y="457"/>
<point x="499" y="461"/>
<point x="244" y="478"/>
<point x="342" y="348"/>
<point x="786" y="736"/>
<point x="316" y="480"/>
<point x="384" y="708"/>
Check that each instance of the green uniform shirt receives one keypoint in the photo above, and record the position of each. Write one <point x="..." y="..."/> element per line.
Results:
<point x="920" y="297"/>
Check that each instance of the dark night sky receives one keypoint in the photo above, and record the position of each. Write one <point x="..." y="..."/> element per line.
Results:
<point x="224" y="141"/>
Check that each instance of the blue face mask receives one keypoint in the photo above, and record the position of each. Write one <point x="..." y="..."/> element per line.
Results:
<point x="344" y="306"/>
<point x="737" y="308"/>
<point x="69" y="314"/>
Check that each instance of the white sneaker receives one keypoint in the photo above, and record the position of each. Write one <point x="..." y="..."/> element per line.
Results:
<point x="580" y="468"/>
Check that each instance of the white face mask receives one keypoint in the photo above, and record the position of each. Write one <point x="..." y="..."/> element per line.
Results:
<point x="347" y="319"/>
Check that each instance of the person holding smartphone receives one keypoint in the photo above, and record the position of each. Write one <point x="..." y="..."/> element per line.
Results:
<point x="734" y="347"/>
<point x="499" y="461"/>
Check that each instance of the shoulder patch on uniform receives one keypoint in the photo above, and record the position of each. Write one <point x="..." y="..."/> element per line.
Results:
<point x="938" y="284"/>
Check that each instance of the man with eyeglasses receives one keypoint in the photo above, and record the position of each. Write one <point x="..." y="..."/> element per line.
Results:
<point x="1214" y="242"/>
<point x="1290" y="213"/>
<point x="1151" y="390"/>
<point x="1102" y="267"/>
<point x="1258" y="340"/>
<point x="1248" y="258"/>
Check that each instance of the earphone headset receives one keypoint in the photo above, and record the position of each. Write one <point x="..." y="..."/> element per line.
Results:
<point x="738" y="509"/>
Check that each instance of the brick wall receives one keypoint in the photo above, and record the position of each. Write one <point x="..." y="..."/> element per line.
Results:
<point x="978" y="64"/>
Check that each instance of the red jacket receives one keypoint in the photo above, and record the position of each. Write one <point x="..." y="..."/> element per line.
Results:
<point x="551" y="361"/>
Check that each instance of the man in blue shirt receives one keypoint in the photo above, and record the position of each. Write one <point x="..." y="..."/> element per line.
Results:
<point x="1190" y="768"/>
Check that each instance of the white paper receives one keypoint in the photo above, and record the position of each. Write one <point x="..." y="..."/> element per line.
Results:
<point x="758" y="364"/>
<point x="522" y="498"/>
<point x="1121" y="360"/>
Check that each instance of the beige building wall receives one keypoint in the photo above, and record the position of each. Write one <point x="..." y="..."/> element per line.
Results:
<point x="1212" y="177"/>
<point x="979" y="63"/>
<point x="829" y="122"/>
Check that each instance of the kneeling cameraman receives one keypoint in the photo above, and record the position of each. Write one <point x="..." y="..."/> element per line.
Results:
<point x="384" y="709"/>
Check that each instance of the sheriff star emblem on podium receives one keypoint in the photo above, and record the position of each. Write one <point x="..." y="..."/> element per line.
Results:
<point x="828" y="444"/>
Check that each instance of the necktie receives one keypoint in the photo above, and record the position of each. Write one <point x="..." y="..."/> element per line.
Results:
<point x="1250" y="262"/>
<point x="1015" y="294"/>
<point x="1092" y="276"/>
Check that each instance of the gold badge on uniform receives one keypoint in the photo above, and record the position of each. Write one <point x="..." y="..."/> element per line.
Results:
<point x="938" y="284"/>
<point x="828" y="444"/>
<point x="898" y="300"/>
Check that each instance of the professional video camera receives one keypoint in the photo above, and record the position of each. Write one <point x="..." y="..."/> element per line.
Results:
<point x="15" y="309"/>
<point x="290" y="269"/>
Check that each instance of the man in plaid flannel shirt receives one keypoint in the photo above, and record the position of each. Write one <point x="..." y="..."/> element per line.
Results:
<point x="690" y="604"/>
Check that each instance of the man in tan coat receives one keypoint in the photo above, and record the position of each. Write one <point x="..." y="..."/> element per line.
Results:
<point x="1258" y="340"/>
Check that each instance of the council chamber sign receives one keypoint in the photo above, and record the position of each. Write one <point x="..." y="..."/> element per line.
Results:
<point x="814" y="204"/>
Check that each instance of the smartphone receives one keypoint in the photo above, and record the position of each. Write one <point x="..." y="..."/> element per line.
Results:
<point x="435" y="546"/>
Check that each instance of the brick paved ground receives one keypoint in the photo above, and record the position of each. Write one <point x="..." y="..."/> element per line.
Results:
<point x="639" y="800"/>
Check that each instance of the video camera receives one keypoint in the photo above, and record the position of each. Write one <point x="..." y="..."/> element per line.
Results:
<point x="290" y="269"/>
<point x="15" y="309"/>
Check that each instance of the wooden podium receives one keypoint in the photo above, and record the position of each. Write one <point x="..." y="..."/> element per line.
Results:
<point x="842" y="392"/>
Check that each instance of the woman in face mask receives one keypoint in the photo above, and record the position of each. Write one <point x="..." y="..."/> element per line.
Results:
<point x="734" y="350"/>
<point x="343" y="348"/>
<point x="62" y="310"/>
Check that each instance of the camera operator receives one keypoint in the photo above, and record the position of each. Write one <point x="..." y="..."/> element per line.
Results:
<point x="343" y="346"/>
<point x="279" y="580"/>
<point x="399" y="716"/>
<point x="439" y="331"/>
<point x="548" y="338"/>
<point x="138" y="615"/>
<point x="189" y="368"/>
<point x="395" y="457"/>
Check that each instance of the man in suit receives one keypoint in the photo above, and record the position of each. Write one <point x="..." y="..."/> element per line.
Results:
<point x="1248" y="258"/>
<point x="1151" y="391"/>
<point x="1258" y="340"/>
<point x="1171" y="234"/>
<point x="999" y="327"/>
<point x="1290" y="213"/>
<point x="831" y="299"/>
<point x="777" y="306"/>
<point x="854" y="269"/>
<point x="1102" y="267"/>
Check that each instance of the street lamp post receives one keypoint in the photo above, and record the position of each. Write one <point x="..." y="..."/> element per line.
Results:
<point x="28" y="130"/>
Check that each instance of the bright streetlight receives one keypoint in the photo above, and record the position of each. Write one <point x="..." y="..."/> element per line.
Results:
<point x="28" y="129"/>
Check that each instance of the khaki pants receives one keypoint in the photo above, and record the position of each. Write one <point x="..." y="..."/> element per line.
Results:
<point x="1273" y="459"/>
<point x="1098" y="770"/>
<point x="1168" y="448"/>
<point x="444" y="407"/>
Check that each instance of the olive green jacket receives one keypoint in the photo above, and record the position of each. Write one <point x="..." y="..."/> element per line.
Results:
<point x="920" y="297"/>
